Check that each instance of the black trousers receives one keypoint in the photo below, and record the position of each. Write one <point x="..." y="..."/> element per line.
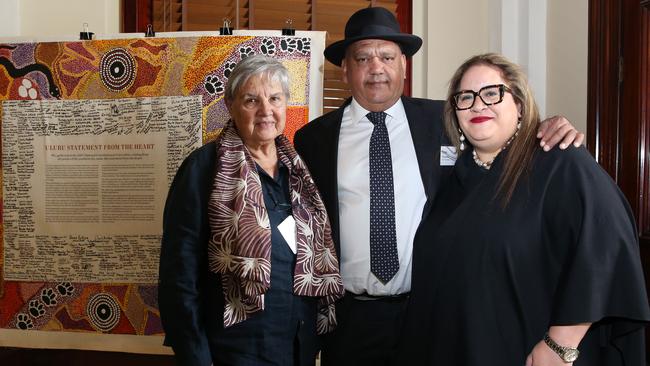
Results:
<point x="367" y="333"/>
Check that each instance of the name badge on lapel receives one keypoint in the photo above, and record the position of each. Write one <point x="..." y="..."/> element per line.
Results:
<point x="448" y="155"/>
<point x="288" y="230"/>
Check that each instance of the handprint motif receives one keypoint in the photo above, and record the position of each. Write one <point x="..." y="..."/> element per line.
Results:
<point x="267" y="47"/>
<point x="245" y="52"/>
<point x="65" y="288"/>
<point x="228" y="67"/>
<point x="48" y="296"/>
<point x="36" y="308"/>
<point x="24" y="322"/>
<point x="213" y="85"/>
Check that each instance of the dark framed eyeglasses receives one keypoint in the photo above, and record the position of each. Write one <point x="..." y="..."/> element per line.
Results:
<point x="490" y="95"/>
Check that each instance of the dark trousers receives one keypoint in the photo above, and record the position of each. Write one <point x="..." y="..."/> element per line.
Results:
<point x="367" y="332"/>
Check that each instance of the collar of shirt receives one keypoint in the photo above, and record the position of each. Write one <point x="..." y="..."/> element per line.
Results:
<point x="395" y="112"/>
<point x="275" y="190"/>
<point x="263" y="174"/>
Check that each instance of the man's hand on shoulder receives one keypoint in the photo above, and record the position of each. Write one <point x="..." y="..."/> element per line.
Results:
<point x="558" y="129"/>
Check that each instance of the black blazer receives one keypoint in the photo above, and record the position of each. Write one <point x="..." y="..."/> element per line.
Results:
<point x="190" y="296"/>
<point x="317" y="143"/>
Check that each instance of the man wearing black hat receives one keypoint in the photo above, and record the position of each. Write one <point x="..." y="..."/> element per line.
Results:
<point x="377" y="161"/>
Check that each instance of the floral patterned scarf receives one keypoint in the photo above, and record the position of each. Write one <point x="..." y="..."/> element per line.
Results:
<point x="240" y="242"/>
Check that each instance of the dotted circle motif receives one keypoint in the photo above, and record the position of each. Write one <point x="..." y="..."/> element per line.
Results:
<point x="117" y="69"/>
<point x="103" y="311"/>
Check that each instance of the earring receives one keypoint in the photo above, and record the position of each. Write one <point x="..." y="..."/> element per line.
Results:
<point x="518" y="127"/>
<point x="462" y="140"/>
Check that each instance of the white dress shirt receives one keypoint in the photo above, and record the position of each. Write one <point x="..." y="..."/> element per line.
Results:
<point x="354" y="199"/>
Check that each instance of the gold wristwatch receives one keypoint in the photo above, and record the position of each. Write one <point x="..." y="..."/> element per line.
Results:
<point x="567" y="354"/>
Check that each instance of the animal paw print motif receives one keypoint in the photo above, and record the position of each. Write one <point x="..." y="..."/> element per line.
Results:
<point x="36" y="308"/>
<point x="24" y="322"/>
<point x="26" y="90"/>
<point x="289" y="45"/>
<point x="303" y="45"/>
<point x="228" y="67"/>
<point x="245" y="52"/>
<point x="267" y="47"/>
<point x="65" y="288"/>
<point x="48" y="296"/>
<point x="213" y="85"/>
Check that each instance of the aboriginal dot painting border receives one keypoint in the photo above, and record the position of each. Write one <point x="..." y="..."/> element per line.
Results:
<point x="128" y="68"/>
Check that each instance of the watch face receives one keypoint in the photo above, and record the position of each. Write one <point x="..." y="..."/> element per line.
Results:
<point x="570" y="355"/>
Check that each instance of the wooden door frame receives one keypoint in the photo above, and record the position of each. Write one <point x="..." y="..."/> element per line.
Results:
<point x="618" y="121"/>
<point x="618" y="107"/>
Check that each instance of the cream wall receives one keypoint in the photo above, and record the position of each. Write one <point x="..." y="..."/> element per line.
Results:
<point x="45" y="18"/>
<point x="567" y="60"/>
<point x="547" y="37"/>
<point x="452" y="31"/>
<point x="10" y="23"/>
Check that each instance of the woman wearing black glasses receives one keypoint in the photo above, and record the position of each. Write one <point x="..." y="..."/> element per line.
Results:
<point x="528" y="258"/>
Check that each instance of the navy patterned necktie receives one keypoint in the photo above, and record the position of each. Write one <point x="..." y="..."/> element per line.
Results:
<point x="384" y="261"/>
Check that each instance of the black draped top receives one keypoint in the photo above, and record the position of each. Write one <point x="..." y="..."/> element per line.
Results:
<point x="488" y="282"/>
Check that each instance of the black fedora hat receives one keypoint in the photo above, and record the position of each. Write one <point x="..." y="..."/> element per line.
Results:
<point x="372" y="23"/>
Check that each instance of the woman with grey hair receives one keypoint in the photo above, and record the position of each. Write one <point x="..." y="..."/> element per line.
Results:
<point x="248" y="270"/>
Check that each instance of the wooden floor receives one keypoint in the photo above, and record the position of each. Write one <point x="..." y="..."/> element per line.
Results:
<point x="56" y="357"/>
<point x="47" y="357"/>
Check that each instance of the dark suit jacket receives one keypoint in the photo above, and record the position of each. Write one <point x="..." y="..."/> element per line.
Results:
<point x="190" y="296"/>
<point x="317" y="144"/>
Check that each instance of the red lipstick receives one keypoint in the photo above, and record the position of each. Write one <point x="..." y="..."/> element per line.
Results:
<point x="480" y="119"/>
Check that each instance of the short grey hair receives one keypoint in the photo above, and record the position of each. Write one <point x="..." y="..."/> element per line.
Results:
<point x="253" y="66"/>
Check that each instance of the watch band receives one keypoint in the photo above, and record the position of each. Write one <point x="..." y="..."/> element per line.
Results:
<point x="567" y="354"/>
